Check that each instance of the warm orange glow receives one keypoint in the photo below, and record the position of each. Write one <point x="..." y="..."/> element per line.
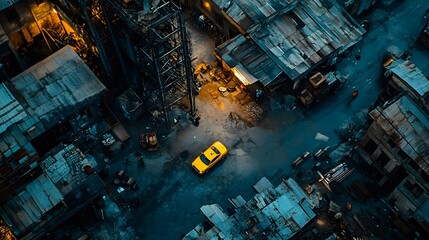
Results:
<point x="5" y="232"/>
<point x="243" y="75"/>
<point x="206" y="5"/>
<point x="240" y="76"/>
<point x="320" y="222"/>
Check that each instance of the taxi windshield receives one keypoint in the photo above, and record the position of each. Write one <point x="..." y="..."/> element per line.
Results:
<point x="204" y="159"/>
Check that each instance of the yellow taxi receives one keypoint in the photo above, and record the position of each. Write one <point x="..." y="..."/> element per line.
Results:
<point x="209" y="157"/>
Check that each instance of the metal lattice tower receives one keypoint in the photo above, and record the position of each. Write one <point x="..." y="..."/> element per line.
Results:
<point x="161" y="51"/>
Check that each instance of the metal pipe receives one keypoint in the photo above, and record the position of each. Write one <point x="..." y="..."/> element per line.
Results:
<point x="161" y="87"/>
<point x="170" y="68"/>
<point x="170" y="52"/>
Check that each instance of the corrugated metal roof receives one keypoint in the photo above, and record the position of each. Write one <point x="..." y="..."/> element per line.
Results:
<point x="55" y="88"/>
<point x="250" y="60"/>
<point x="296" y="37"/>
<point x="299" y="39"/>
<point x="247" y="13"/>
<point x="11" y="110"/>
<point x="31" y="204"/>
<point x="12" y="141"/>
<point x="411" y="76"/>
<point x="408" y="127"/>
<point x="280" y="211"/>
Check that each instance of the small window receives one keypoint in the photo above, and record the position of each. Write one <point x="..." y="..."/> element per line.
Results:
<point x="402" y="154"/>
<point x="391" y="143"/>
<point x="370" y="147"/>
<point x="415" y="189"/>
<point x="425" y="176"/>
<point x="414" y="165"/>
<point x="383" y="159"/>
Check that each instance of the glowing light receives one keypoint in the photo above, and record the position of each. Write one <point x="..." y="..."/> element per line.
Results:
<point x="206" y="5"/>
<point x="54" y="10"/>
<point x="240" y="76"/>
<point x="320" y="222"/>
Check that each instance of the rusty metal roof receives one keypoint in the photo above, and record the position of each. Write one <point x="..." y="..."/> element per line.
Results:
<point x="408" y="127"/>
<point x="295" y="35"/>
<point x="412" y="77"/>
<point x="300" y="39"/>
<point x="275" y="211"/>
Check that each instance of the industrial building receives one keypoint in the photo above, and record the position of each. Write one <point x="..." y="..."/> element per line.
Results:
<point x="128" y="44"/>
<point x="142" y="45"/>
<point x="33" y="30"/>
<point x="396" y="144"/>
<point x="353" y="7"/>
<point x="405" y="78"/>
<point x="67" y="184"/>
<point x="281" y="41"/>
<point x="40" y="105"/>
<point x="273" y="213"/>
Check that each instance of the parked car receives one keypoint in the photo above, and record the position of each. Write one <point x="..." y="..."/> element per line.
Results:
<point x="209" y="157"/>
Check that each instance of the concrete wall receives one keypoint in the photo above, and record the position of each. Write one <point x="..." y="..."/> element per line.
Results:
<point x="404" y="200"/>
<point x="401" y="197"/>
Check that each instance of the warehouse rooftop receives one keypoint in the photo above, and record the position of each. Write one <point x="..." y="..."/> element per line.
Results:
<point x="296" y="35"/>
<point x="273" y="213"/>
<point x="55" y="88"/>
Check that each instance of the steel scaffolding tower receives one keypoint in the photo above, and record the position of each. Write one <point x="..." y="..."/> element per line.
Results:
<point x="160" y="45"/>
